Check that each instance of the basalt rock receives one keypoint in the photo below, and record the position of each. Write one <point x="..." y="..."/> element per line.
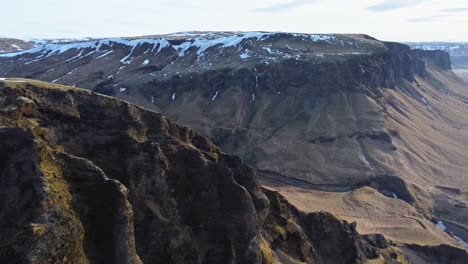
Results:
<point x="108" y="182"/>
<point x="439" y="58"/>
<point x="442" y="254"/>
<point x="92" y="179"/>
<point x="306" y="106"/>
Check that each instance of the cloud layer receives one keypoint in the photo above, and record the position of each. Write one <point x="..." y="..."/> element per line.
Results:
<point x="284" y="6"/>
<point x="455" y="10"/>
<point x="389" y="5"/>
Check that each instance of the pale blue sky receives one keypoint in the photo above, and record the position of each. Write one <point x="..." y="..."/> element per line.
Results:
<point x="399" y="20"/>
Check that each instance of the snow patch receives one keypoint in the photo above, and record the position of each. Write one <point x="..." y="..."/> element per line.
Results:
<point x="125" y="60"/>
<point x="426" y="103"/>
<point x="441" y="225"/>
<point x="394" y="195"/>
<point x="316" y="37"/>
<point x="364" y="160"/>
<point x="146" y="62"/>
<point x="120" y="68"/>
<point x="122" y="89"/>
<point x="245" y="55"/>
<point x="55" y="48"/>
<point x="461" y="241"/>
<point x="202" y="44"/>
<point x="214" y="96"/>
<point x="321" y="38"/>
<point x="16" y="47"/>
<point x="105" y="54"/>
<point x="75" y="57"/>
<point x="199" y="42"/>
<point x="68" y="73"/>
<point x="173" y="96"/>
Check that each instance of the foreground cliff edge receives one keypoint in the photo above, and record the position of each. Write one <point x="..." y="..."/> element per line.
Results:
<point x="88" y="178"/>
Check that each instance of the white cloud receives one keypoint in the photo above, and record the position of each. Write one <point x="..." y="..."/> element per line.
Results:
<point x="281" y="7"/>
<point x="389" y="5"/>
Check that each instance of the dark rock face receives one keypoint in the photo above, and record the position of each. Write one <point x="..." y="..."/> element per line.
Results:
<point x="442" y="254"/>
<point x="88" y="178"/>
<point x="298" y="235"/>
<point x="401" y="64"/>
<point x="392" y="184"/>
<point x="281" y="101"/>
<point x="319" y="237"/>
<point x="91" y="179"/>
<point x="162" y="192"/>
<point x="439" y="58"/>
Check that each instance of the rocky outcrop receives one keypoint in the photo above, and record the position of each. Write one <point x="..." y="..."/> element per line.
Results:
<point x="392" y="186"/>
<point x="59" y="208"/>
<point x="314" y="237"/>
<point x="306" y="106"/>
<point x="438" y="58"/>
<point x="324" y="110"/>
<point x="442" y="254"/>
<point x="88" y="178"/>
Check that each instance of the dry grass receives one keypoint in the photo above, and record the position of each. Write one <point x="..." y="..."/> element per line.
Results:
<point x="269" y="257"/>
<point x="372" y="211"/>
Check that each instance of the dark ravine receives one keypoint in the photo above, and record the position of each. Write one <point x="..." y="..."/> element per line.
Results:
<point x="386" y="184"/>
<point x="91" y="179"/>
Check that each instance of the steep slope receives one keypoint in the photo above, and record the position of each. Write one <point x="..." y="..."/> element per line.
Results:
<point x="319" y="112"/>
<point x="255" y="94"/>
<point x="90" y="179"/>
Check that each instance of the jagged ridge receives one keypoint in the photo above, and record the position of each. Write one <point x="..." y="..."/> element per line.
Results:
<point x="104" y="181"/>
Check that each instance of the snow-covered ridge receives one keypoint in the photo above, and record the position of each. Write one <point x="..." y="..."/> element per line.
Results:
<point x="58" y="48"/>
<point x="201" y="42"/>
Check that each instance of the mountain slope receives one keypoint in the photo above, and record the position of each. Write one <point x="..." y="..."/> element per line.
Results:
<point x="292" y="94"/>
<point x="328" y="113"/>
<point x="87" y="178"/>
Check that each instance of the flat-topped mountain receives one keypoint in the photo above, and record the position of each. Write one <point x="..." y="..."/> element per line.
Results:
<point x="346" y="117"/>
<point x="457" y="50"/>
<point x="458" y="53"/>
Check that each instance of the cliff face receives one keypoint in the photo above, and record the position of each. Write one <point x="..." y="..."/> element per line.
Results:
<point x="327" y="113"/>
<point x="108" y="181"/>
<point x="304" y="106"/>
<point x="87" y="178"/>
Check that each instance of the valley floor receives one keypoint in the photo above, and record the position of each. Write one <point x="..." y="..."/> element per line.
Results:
<point x="372" y="211"/>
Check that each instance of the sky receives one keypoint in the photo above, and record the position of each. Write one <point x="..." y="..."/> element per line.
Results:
<point x="392" y="20"/>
